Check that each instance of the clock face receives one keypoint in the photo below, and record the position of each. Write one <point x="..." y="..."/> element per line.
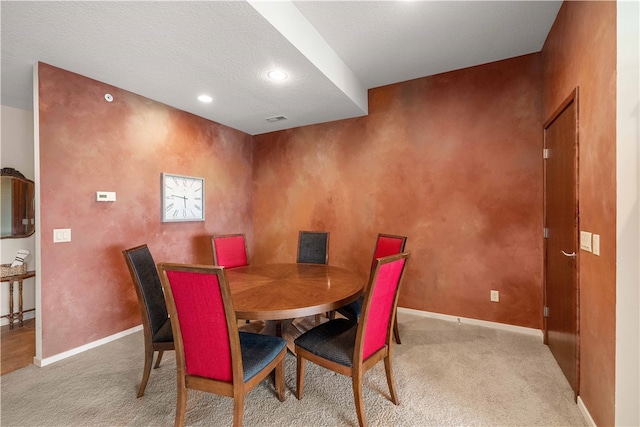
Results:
<point x="182" y="198"/>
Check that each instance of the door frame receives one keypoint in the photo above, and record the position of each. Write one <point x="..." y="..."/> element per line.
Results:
<point x="571" y="98"/>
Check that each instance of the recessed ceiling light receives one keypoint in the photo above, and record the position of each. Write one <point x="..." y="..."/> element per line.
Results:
<point x="277" y="75"/>
<point x="205" y="98"/>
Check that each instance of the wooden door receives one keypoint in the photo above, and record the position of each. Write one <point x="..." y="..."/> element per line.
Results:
<point x="561" y="238"/>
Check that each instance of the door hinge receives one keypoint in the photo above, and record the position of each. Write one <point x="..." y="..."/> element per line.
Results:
<point x="545" y="233"/>
<point x="545" y="153"/>
<point x="545" y="312"/>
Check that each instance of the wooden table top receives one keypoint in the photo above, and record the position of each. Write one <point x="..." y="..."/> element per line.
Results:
<point x="287" y="291"/>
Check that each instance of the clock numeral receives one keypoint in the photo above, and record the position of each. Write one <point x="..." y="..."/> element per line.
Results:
<point x="175" y="180"/>
<point x="198" y="198"/>
<point x="198" y="207"/>
<point x="169" y="207"/>
<point x="175" y="213"/>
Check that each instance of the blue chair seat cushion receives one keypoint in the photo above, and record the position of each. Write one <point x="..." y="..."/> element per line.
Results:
<point x="333" y="340"/>
<point x="258" y="351"/>
<point x="164" y="334"/>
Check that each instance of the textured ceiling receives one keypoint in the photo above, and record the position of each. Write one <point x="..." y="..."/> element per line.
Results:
<point x="333" y="51"/>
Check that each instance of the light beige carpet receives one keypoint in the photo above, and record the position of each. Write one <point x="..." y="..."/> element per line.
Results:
<point x="447" y="375"/>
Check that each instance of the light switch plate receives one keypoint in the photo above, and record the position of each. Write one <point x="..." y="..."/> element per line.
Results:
<point x="585" y="241"/>
<point x="596" y="244"/>
<point x="61" y="235"/>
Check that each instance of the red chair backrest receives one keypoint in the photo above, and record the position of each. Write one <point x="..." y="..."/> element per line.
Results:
<point x="386" y="245"/>
<point x="200" y="309"/>
<point x="230" y="251"/>
<point x="382" y="295"/>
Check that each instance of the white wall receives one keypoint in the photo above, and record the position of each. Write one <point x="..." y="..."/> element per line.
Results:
<point x="17" y="152"/>
<point x="628" y="216"/>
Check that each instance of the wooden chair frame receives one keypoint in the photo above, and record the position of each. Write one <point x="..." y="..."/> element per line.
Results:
<point x="237" y="388"/>
<point x="360" y="366"/>
<point x="149" y="346"/>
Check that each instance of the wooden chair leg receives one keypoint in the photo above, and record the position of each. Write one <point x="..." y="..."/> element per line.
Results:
<point x="238" y="409"/>
<point x="300" y="376"/>
<point x="148" y="361"/>
<point x="396" y="331"/>
<point x="157" y="365"/>
<point x="181" y="405"/>
<point x="391" y="380"/>
<point x="357" y="397"/>
<point x="279" y="383"/>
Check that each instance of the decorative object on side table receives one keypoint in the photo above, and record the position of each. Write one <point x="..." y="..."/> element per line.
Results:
<point x="17" y="267"/>
<point x="182" y="198"/>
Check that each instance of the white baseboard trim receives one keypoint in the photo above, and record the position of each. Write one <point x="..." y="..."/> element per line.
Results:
<point x="520" y="329"/>
<point x="49" y="360"/>
<point x="585" y="413"/>
<point x="26" y="316"/>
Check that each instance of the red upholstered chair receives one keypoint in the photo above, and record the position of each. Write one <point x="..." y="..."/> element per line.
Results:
<point x="211" y="355"/>
<point x="386" y="244"/>
<point x="229" y="250"/>
<point x="350" y="348"/>
<point x="156" y="325"/>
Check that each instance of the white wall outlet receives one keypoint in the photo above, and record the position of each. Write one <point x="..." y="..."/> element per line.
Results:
<point x="495" y="296"/>
<point x="596" y="244"/>
<point x="585" y="241"/>
<point x="61" y="235"/>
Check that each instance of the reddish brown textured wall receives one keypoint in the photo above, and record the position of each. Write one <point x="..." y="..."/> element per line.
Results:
<point x="581" y="51"/>
<point x="89" y="145"/>
<point x="452" y="161"/>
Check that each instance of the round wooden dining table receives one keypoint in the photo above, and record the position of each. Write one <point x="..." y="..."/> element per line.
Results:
<point x="287" y="291"/>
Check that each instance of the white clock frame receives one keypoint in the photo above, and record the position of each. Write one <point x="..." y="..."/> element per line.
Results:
<point x="182" y="187"/>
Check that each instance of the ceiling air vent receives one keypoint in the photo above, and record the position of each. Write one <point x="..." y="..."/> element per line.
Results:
<point x="276" y="118"/>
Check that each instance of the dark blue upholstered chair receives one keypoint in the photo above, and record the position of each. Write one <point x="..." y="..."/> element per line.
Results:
<point x="153" y="310"/>
<point x="313" y="247"/>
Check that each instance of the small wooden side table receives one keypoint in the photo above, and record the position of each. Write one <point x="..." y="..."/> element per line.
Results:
<point x="18" y="316"/>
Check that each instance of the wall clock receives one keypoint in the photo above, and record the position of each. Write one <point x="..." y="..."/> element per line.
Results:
<point x="182" y="198"/>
